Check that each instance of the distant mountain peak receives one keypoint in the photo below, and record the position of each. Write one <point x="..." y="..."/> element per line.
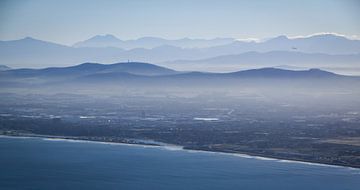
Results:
<point x="88" y="64"/>
<point x="31" y="39"/>
<point x="316" y="70"/>
<point x="313" y="36"/>
<point x="32" y="43"/>
<point x="324" y="36"/>
<point x="280" y="38"/>
<point x="107" y="40"/>
<point x="284" y="73"/>
<point x="138" y="68"/>
<point x="106" y="37"/>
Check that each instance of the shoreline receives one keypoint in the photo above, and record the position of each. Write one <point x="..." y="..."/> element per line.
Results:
<point x="74" y="138"/>
<point x="273" y="158"/>
<point x="173" y="147"/>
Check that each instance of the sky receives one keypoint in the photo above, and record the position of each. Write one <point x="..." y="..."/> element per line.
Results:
<point x="69" y="21"/>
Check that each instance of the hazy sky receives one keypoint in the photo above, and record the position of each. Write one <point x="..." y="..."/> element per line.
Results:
<point x="68" y="21"/>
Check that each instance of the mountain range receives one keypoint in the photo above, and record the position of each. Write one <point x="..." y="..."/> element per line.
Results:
<point x="291" y="59"/>
<point x="132" y="79"/>
<point x="151" y="42"/>
<point x="33" y="53"/>
<point x="321" y="43"/>
<point x="144" y="72"/>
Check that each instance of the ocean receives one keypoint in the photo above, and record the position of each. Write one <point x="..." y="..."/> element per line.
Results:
<point x="38" y="163"/>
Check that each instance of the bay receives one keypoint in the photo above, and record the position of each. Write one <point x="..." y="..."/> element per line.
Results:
<point x="37" y="163"/>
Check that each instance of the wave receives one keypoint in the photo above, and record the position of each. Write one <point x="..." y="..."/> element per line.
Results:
<point x="310" y="163"/>
<point x="172" y="147"/>
<point x="17" y="137"/>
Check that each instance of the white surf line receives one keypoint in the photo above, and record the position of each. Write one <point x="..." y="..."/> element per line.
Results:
<point x="242" y="155"/>
<point x="98" y="142"/>
<point x="171" y="147"/>
<point x="78" y="141"/>
<point x="13" y="137"/>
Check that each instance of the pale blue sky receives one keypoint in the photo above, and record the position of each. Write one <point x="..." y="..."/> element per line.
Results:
<point x="68" y="21"/>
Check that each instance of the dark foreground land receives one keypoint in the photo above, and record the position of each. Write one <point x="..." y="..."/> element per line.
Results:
<point x="309" y="132"/>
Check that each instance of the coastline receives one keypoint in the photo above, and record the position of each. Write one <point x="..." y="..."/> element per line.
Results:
<point x="173" y="147"/>
<point x="273" y="158"/>
<point x="82" y="139"/>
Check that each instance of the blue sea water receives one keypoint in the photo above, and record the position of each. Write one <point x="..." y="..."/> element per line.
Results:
<point x="35" y="163"/>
